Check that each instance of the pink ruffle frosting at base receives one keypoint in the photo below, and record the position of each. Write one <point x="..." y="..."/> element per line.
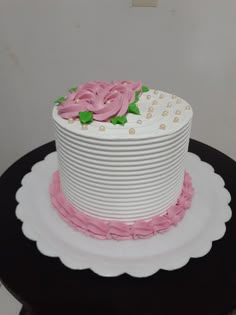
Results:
<point x="117" y="230"/>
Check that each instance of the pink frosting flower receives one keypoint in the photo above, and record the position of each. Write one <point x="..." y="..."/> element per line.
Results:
<point x="103" y="99"/>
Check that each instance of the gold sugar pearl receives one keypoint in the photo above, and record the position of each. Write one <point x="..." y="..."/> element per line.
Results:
<point x="165" y="113"/>
<point x="162" y="96"/>
<point x="155" y="92"/>
<point x="70" y="121"/>
<point x="163" y="126"/>
<point x="154" y="102"/>
<point x="178" y="112"/>
<point x="84" y="127"/>
<point x="148" y="97"/>
<point x="139" y="121"/>
<point x="149" y="115"/>
<point x="150" y="109"/>
<point x="188" y="107"/>
<point x="76" y="119"/>
<point x="178" y="101"/>
<point x="176" y="119"/>
<point x="131" y="131"/>
<point x="173" y="97"/>
<point x="77" y="100"/>
<point x="169" y="105"/>
<point x="102" y="128"/>
<point x="108" y="102"/>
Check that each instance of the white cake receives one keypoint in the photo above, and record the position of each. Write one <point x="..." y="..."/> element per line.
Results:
<point x="126" y="173"/>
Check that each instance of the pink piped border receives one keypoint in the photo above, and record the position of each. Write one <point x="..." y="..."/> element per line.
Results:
<point x="117" y="230"/>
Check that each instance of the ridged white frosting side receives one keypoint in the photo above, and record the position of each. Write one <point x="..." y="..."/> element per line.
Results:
<point x="124" y="178"/>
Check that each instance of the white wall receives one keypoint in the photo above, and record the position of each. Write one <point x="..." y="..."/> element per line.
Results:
<point x="186" y="47"/>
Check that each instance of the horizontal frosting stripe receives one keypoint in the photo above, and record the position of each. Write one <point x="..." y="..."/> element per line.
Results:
<point x="116" y="146"/>
<point x="135" y="156"/>
<point x="119" y="142"/>
<point x="139" y="190"/>
<point x="126" y="175"/>
<point x="122" y="190"/>
<point x="119" y="206"/>
<point x="132" y="212"/>
<point x="106" y="172"/>
<point x="118" y="156"/>
<point x="80" y="191"/>
<point x="103" y="229"/>
<point x="128" y="161"/>
<point x="153" y="179"/>
<point x="130" y="218"/>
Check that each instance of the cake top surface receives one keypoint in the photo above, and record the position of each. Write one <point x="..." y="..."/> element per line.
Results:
<point x="121" y="110"/>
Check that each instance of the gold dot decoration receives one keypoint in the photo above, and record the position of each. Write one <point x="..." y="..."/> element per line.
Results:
<point x="165" y="113"/>
<point x="178" y="112"/>
<point x="139" y="122"/>
<point x="149" y="115"/>
<point x="148" y="97"/>
<point x="169" y="105"/>
<point x="173" y="97"/>
<point x="131" y="131"/>
<point x="77" y="100"/>
<point x="163" y="126"/>
<point x="187" y="107"/>
<point x="162" y="96"/>
<point x="85" y="127"/>
<point x="178" y="101"/>
<point x="102" y="128"/>
<point x="150" y="109"/>
<point x="76" y="119"/>
<point x="176" y="119"/>
<point x="155" y="92"/>
<point x="70" y="121"/>
<point x="154" y="102"/>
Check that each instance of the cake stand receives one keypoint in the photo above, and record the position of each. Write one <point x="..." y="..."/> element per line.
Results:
<point x="202" y="224"/>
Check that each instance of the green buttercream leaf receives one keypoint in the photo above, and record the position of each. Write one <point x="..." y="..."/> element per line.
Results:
<point x="74" y="89"/>
<point x="85" y="117"/>
<point x="145" y="89"/>
<point x="60" y="100"/>
<point x="136" y="96"/>
<point x="114" y="120"/>
<point x="121" y="120"/>
<point x="133" y="108"/>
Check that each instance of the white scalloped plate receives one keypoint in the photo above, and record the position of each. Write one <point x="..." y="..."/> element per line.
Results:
<point x="202" y="224"/>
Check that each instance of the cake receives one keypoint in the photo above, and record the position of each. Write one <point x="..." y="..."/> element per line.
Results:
<point x="121" y="150"/>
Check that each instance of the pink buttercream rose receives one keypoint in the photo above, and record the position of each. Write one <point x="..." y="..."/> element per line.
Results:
<point x="103" y="99"/>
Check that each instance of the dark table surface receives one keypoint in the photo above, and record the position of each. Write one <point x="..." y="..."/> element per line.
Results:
<point x="206" y="285"/>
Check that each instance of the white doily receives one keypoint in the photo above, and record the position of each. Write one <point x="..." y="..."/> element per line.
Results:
<point x="203" y="223"/>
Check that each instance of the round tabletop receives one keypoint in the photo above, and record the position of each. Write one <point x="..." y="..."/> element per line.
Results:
<point x="206" y="285"/>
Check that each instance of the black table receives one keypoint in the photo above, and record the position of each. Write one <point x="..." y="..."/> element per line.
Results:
<point x="206" y="285"/>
